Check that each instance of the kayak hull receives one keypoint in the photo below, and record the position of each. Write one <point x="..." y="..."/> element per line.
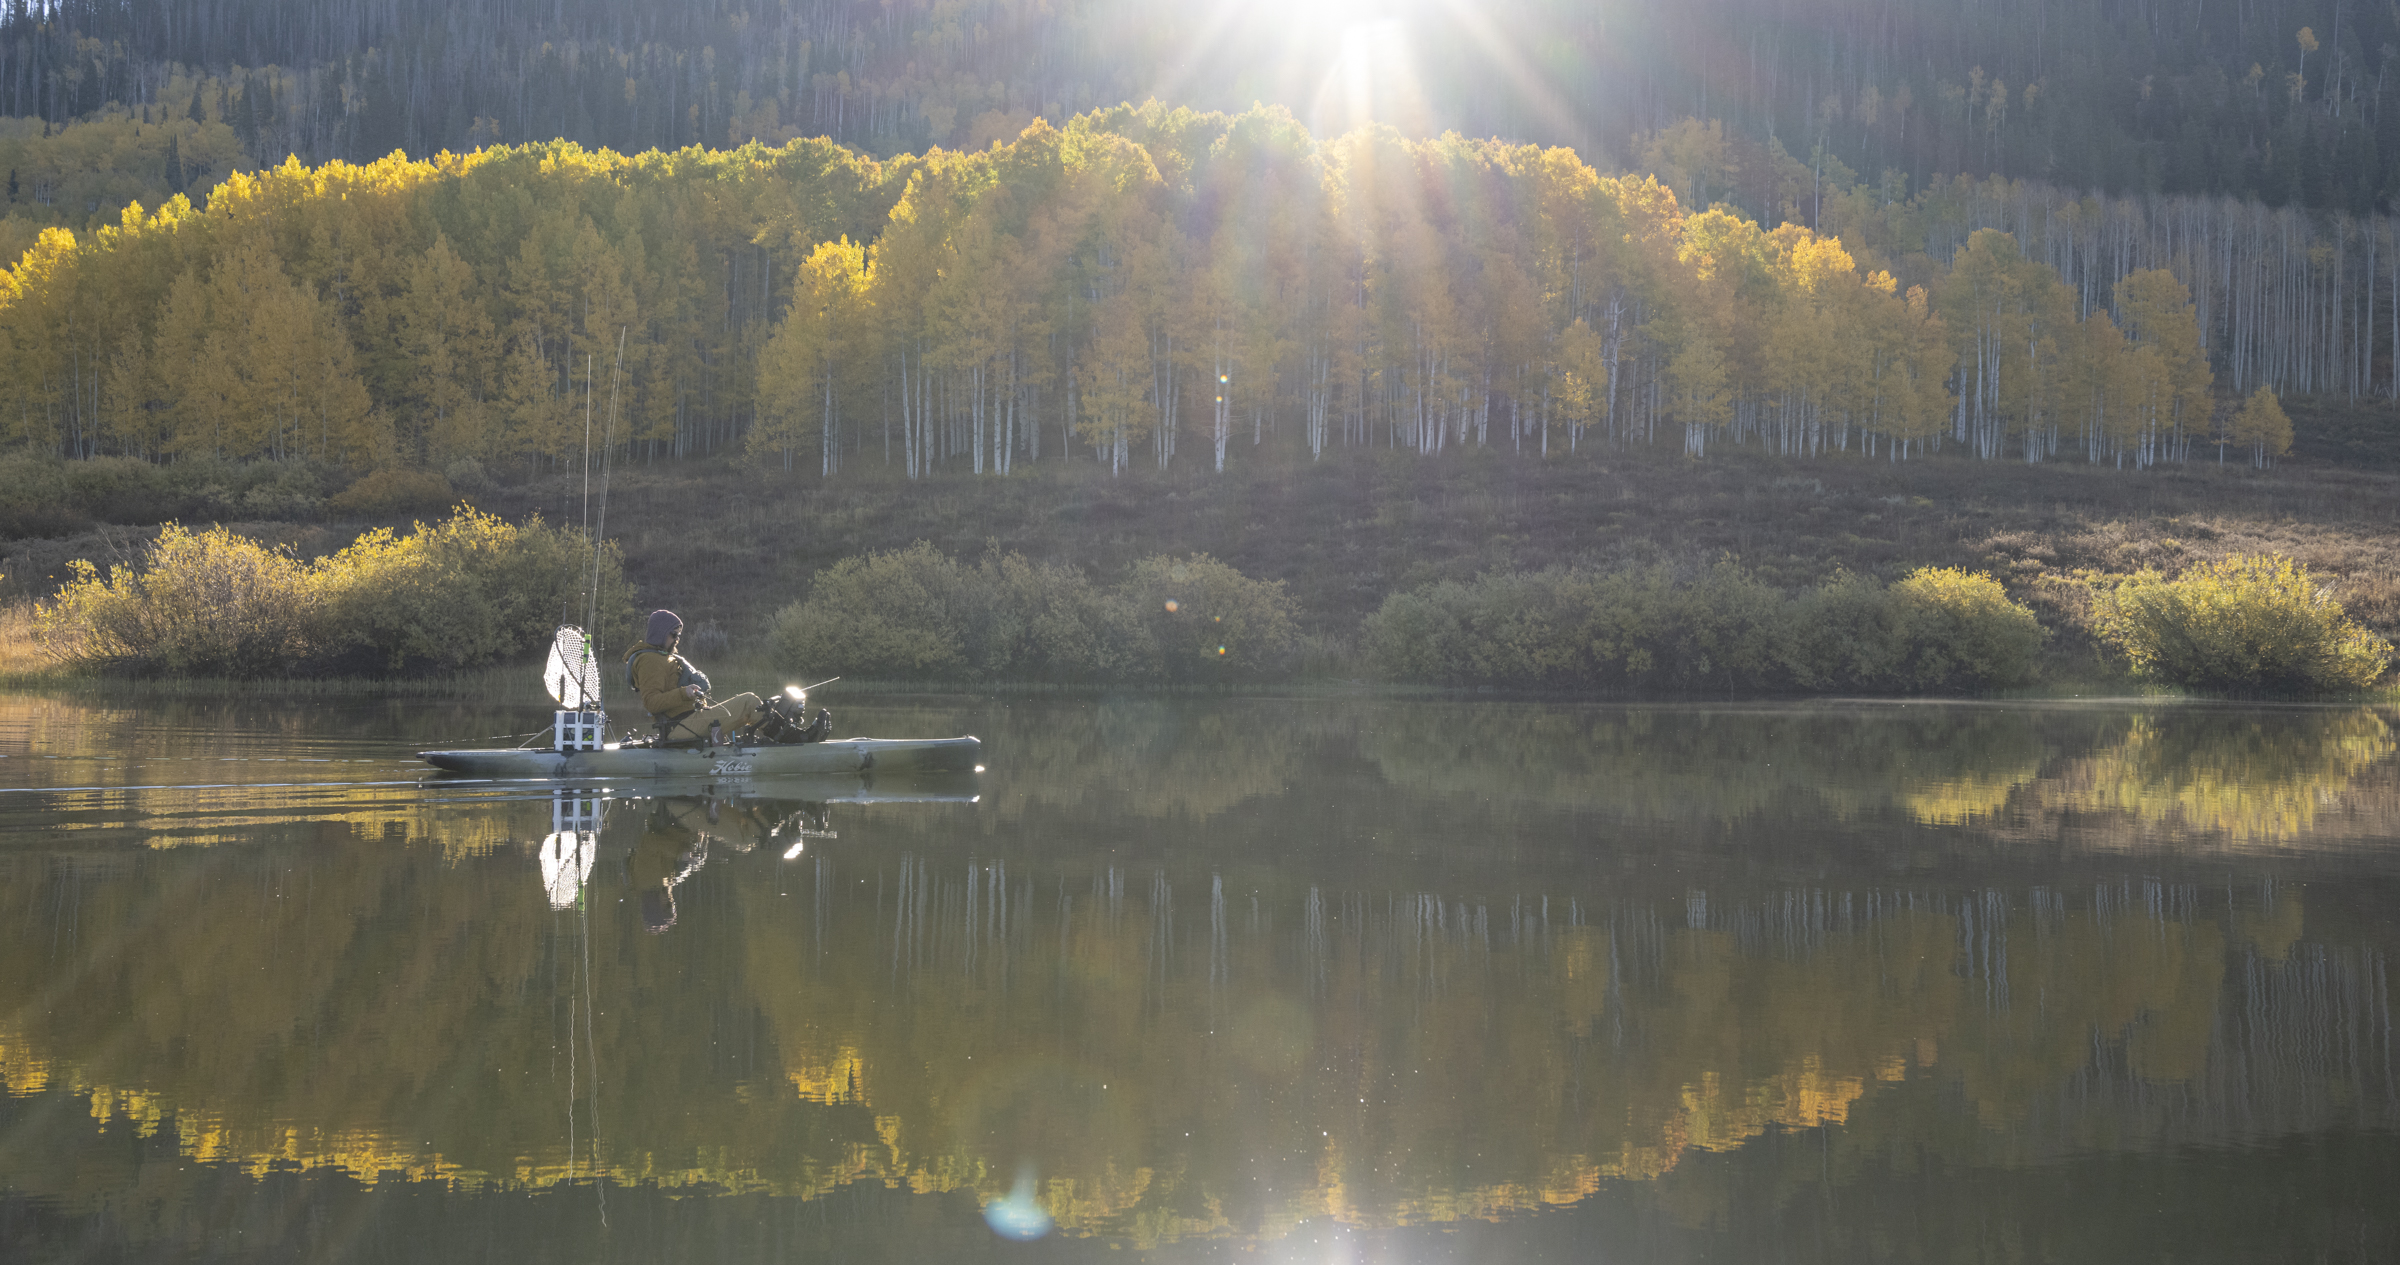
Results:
<point x="833" y="756"/>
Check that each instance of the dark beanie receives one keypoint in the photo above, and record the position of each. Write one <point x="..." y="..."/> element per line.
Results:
<point x="663" y="624"/>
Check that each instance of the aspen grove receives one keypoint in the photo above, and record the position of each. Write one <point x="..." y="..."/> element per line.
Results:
<point x="1154" y="285"/>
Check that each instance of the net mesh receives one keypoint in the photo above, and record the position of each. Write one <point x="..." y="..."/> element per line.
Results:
<point x="572" y="674"/>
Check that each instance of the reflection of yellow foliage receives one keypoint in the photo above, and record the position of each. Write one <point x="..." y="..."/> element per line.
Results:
<point x="1569" y="1179"/>
<point x="21" y="1070"/>
<point x="1083" y="1204"/>
<point x="1959" y="801"/>
<point x="841" y="1079"/>
<point x="1802" y="1097"/>
<point x="1583" y="961"/>
<point x="2244" y="776"/>
<point x="2240" y="774"/>
<point x="208" y="1137"/>
<point x="2272" y="932"/>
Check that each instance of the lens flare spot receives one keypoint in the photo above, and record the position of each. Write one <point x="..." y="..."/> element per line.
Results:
<point x="1018" y="1215"/>
<point x="1220" y="650"/>
<point x="1171" y="607"/>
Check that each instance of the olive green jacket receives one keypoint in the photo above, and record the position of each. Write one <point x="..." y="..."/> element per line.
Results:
<point x="658" y="677"/>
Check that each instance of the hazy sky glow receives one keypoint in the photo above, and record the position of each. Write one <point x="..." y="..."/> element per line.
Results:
<point x="1339" y="64"/>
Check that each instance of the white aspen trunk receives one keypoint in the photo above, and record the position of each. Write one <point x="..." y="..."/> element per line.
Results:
<point x="975" y="414"/>
<point x="908" y="420"/>
<point x="1221" y="420"/>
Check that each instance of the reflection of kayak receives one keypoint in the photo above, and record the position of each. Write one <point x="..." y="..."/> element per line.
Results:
<point x="832" y="756"/>
<point x="782" y="793"/>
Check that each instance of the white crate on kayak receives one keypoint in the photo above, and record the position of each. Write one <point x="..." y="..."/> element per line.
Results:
<point x="578" y="731"/>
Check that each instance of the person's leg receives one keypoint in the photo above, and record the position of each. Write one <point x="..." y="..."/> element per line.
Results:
<point x="730" y="715"/>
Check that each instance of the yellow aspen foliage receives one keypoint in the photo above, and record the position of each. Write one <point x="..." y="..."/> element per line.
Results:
<point x="801" y="369"/>
<point x="2262" y="427"/>
<point x="1099" y="285"/>
<point x="539" y="417"/>
<point x="1693" y="158"/>
<point x="447" y="338"/>
<point x="2158" y="314"/>
<point x="1113" y="373"/>
<point x="1581" y="377"/>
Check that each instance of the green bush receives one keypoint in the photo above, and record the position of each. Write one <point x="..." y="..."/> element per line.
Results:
<point x="47" y="496"/>
<point x="466" y="591"/>
<point x="1208" y="622"/>
<point x="1966" y="632"/>
<point x="198" y="604"/>
<point x="2260" y="626"/>
<point x="392" y="490"/>
<point x="1035" y="621"/>
<point x="469" y="590"/>
<point x="896" y="615"/>
<point x="1721" y="631"/>
<point x="915" y="614"/>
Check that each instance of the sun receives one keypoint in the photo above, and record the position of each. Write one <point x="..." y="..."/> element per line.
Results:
<point x="1344" y="64"/>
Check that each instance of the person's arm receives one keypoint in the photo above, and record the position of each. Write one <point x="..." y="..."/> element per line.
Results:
<point x="660" y="681"/>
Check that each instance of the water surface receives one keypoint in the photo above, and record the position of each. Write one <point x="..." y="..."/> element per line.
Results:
<point x="1340" y="979"/>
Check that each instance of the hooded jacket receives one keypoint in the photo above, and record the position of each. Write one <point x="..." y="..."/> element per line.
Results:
<point x="659" y="677"/>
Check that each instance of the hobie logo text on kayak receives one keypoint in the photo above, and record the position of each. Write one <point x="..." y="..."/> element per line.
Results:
<point x="724" y="767"/>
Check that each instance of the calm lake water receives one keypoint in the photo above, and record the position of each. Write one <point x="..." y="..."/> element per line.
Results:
<point x="1323" y="980"/>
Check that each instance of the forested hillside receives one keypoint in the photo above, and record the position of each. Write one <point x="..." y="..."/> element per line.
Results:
<point x="1147" y="278"/>
<point x="2289" y="102"/>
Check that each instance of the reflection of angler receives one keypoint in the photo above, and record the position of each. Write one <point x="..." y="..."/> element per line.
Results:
<point x="808" y="821"/>
<point x="674" y="845"/>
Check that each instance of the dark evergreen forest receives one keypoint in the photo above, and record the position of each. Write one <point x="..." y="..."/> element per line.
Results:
<point x="2287" y="102"/>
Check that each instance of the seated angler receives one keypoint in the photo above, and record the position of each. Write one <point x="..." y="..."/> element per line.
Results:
<point x="676" y="693"/>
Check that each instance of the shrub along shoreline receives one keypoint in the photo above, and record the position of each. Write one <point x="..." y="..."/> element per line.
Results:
<point x="467" y="591"/>
<point x="472" y="591"/>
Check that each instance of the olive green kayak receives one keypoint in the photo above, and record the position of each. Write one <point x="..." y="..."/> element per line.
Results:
<point x="832" y="756"/>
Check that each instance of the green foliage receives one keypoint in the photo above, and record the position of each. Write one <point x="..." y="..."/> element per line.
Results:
<point x="1048" y="622"/>
<point x="897" y="615"/>
<point x="1206" y="621"/>
<point x="2244" y="625"/>
<point x="466" y="591"/>
<point x="390" y="491"/>
<point x="199" y="604"/>
<point x="1967" y="632"/>
<point x="917" y="614"/>
<point x="42" y="495"/>
<point x="2262" y="427"/>
<point x="1722" y="630"/>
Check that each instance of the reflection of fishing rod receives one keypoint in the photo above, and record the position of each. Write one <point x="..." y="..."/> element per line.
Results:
<point x="795" y="691"/>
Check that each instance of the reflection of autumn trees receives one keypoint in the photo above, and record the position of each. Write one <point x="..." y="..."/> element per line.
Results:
<point x="1708" y="764"/>
<point x="2244" y="774"/>
<point x="2247" y="776"/>
<point x="1176" y="1049"/>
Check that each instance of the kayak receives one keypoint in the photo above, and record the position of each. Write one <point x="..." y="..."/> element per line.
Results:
<point x="850" y="756"/>
<point x="577" y="749"/>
